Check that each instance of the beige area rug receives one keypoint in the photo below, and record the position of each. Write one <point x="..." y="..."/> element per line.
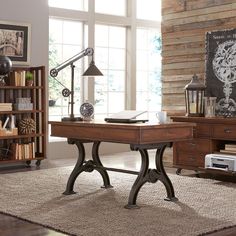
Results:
<point x="204" y="205"/>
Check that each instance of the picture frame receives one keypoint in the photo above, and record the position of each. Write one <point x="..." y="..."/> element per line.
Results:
<point x="15" y="40"/>
<point x="220" y="70"/>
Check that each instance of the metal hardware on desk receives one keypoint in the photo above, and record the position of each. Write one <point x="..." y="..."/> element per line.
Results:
<point x="227" y="130"/>
<point x="193" y="144"/>
<point x="144" y="175"/>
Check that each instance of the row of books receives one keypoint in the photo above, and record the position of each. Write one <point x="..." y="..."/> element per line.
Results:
<point x="23" y="151"/>
<point x="17" y="78"/>
<point x="229" y="148"/>
<point x="5" y="106"/>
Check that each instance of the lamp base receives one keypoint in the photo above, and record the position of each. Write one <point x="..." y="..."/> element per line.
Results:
<point x="71" y="119"/>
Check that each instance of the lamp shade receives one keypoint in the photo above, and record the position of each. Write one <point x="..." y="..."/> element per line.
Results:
<point x="92" y="70"/>
<point x="5" y="65"/>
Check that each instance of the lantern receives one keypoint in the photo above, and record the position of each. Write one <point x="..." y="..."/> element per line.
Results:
<point x="194" y="94"/>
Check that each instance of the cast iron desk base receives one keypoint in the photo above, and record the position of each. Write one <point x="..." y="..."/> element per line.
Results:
<point x="144" y="175"/>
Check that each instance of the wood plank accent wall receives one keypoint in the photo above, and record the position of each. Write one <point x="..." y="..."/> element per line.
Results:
<point x="184" y="25"/>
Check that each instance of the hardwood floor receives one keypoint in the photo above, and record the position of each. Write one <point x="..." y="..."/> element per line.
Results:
<point x="11" y="226"/>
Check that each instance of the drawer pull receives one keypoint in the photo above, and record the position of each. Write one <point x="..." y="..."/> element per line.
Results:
<point x="228" y="131"/>
<point x="192" y="144"/>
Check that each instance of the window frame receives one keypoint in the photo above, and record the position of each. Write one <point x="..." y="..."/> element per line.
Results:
<point x="90" y="18"/>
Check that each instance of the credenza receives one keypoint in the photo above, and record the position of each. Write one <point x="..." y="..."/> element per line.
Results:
<point x="210" y="135"/>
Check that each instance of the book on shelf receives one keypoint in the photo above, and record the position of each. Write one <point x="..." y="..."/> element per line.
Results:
<point x="17" y="78"/>
<point x="5" y="106"/>
<point x="22" y="151"/>
<point x="14" y="151"/>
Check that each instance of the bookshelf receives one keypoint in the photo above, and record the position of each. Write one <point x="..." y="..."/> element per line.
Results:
<point x="22" y="116"/>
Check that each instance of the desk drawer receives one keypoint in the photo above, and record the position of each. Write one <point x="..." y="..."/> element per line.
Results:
<point x="202" y="130"/>
<point x="196" y="159"/>
<point x="194" y="145"/>
<point x="224" y="132"/>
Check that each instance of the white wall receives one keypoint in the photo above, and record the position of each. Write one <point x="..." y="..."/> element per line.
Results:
<point x="36" y="13"/>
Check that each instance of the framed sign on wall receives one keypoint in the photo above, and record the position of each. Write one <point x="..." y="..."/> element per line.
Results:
<point x="15" y="42"/>
<point x="221" y="70"/>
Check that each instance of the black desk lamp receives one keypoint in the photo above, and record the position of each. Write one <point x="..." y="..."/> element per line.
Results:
<point x="91" y="71"/>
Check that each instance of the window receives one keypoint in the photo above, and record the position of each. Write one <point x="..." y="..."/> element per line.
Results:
<point x="149" y="9"/>
<point x="110" y="48"/>
<point x="107" y="28"/>
<point x="117" y="7"/>
<point x="81" y="5"/>
<point x="148" y="73"/>
<point x="63" y="46"/>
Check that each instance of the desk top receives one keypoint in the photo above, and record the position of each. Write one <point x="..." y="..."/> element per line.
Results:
<point x="207" y="120"/>
<point x="138" y="133"/>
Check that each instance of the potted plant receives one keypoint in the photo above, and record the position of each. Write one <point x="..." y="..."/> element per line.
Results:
<point x="29" y="78"/>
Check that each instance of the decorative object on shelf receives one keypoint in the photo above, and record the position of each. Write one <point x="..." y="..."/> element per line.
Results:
<point x="91" y="71"/>
<point x="5" y="67"/>
<point x="87" y="110"/>
<point x="26" y="126"/>
<point x="29" y="77"/>
<point x="209" y="106"/>
<point x="23" y="103"/>
<point x="6" y="129"/>
<point x="15" y="41"/>
<point x="5" y="153"/>
<point x="194" y="94"/>
<point x="220" y="70"/>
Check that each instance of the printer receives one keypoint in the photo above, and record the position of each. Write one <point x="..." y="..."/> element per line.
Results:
<point x="220" y="162"/>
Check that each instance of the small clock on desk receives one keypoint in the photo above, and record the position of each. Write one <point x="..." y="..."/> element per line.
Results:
<point x="87" y="110"/>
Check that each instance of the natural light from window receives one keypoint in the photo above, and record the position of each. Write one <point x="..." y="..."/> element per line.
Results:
<point x="148" y="82"/>
<point x="130" y="62"/>
<point x="149" y="9"/>
<point x="81" y="5"/>
<point x="62" y="47"/>
<point x="110" y="48"/>
<point x="111" y="7"/>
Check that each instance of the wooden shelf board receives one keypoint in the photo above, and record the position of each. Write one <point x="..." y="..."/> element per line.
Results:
<point x="21" y="87"/>
<point x="21" y="111"/>
<point x="21" y="136"/>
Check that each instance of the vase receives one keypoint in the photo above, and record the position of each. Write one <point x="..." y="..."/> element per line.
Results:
<point x="29" y="83"/>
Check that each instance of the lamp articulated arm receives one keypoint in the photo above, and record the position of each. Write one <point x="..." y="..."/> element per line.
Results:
<point x="85" y="52"/>
<point x="91" y="71"/>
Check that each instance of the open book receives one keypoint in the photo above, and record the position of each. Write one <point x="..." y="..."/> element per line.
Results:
<point x="126" y="116"/>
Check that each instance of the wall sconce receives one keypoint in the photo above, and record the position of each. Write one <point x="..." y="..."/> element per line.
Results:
<point x="194" y="96"/>
<point x="91" y="71"/>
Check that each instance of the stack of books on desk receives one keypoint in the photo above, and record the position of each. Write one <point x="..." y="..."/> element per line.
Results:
<point x="229" y="148"/>
<point x="5" y="106"/>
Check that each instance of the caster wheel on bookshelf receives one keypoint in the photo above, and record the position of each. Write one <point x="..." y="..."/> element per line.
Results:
<point x="178" y="171"/>
<point x="28" y="163"/>
<point x="38" y="162"/>
<point x="197" y="173"/>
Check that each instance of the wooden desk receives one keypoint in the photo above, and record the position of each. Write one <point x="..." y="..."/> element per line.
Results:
<point x="141" y="137"/>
